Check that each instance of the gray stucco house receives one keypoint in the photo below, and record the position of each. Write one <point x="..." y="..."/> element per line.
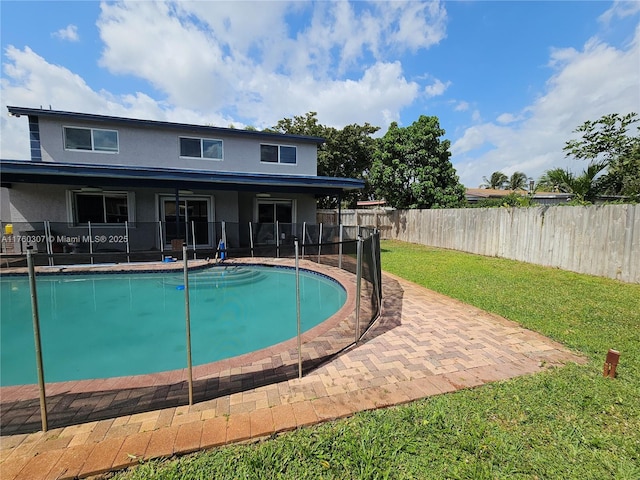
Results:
<point x="177" y="180"/>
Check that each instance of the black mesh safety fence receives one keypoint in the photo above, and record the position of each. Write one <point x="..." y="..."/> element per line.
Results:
<point x="346" y="254"/>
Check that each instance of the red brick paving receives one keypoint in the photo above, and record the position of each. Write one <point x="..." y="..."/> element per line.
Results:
<point x="424" y="344"/>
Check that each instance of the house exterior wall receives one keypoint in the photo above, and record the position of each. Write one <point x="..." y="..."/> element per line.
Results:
<point x="147" y="147"/>
<point x="34" y="203"/>
<point x="28" y="202"/>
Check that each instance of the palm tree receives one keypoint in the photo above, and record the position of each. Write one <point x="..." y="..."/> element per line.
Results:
<point x="585" y="186"/>
<point x="497" y="181"/>
<point x="517" y="181"/>
<point x="556" y="180"/>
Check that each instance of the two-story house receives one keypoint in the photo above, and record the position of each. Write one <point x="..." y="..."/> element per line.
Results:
<point x="103" y="171"/>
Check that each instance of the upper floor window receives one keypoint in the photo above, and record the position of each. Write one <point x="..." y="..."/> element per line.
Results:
<point x="91" y="139"/>
<point x="201" y="148"/>
<point x="278" y="154"/>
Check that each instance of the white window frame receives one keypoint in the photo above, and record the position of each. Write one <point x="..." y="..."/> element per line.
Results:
<point x="93" y="147"/>
<point x="272" y="201"/>
<point x="202" y="139"/>
<point x="280" y="146"/>
<point x="72" y="217"/>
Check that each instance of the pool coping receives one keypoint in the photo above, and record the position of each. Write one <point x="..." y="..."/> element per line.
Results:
<point x="168" y="377"/>
<point x="251" y="361"/>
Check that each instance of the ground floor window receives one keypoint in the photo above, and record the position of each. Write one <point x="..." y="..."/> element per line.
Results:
<point x="101" y="207"/>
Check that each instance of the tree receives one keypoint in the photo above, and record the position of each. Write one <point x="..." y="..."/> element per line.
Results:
<point x="605" y="142"/>
<point x="585" y="186"/>
<point x="411" y="167"/>
<point x="349" y="153"/>
<point x="556" y="180"/>
<point x="345" y="153"/>
<point x="497" y="181"/>
<point x="517" y="181"/>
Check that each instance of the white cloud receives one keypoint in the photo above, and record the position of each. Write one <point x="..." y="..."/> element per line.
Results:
<point x="29" y="80"/>
<point x="214" y="64"/>
<point x="416" y="24"/>
<point x="620" y="9"/>
<point x="586" y="84"/>
<point x="437" y="88"/>
<point x="212" y="56"/>
<point x="461" y="106"/>
<point x="69" y="33"/>
<point x="506" y="118"/>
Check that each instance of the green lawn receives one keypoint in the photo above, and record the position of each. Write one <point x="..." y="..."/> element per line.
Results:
<point x="566" y="423"/>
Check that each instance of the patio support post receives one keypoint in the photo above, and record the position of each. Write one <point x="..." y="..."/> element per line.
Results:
<point x="358" y="286"/>
<point x="295" y="243"/>
<point x="188" y="322"/>
<point x="277" y="239"/>
<point x="36" y="338"/>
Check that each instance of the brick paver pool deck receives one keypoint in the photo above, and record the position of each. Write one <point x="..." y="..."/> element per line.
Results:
<point x="424" y="344"/>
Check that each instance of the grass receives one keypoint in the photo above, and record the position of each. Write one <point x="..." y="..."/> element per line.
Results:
<point x="566" y="423"/>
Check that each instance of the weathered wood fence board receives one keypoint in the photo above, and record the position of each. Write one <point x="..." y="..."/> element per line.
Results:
<point x="601" y="240"/>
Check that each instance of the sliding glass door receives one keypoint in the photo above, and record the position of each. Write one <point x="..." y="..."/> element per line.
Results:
<point x="194" y="211"/>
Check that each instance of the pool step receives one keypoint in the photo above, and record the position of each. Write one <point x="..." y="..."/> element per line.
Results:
<point x="218" y="277"/>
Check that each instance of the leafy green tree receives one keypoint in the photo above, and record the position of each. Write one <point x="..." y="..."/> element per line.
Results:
<point x="517" y="181"/>
<point x="497" y="181"/>
<point x="623" y="175"/>
<point x="607" y="143"/>
<point x="411" y="167"/>
<point x="346" y="152"/>
<point x="306" y="124"/>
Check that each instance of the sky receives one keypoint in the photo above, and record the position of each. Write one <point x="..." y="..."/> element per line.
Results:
<point x="509" y="81"/>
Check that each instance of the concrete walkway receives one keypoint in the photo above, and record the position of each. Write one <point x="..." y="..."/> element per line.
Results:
<point x="425" y="344"/>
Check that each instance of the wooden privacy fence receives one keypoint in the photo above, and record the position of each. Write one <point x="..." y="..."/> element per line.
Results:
<point x="601" y="240"/>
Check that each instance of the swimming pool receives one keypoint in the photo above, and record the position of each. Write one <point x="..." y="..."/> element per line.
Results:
<point x="109" y="325"/>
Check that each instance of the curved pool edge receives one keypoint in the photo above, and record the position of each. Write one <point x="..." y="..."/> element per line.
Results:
<point x="248" y="362"/>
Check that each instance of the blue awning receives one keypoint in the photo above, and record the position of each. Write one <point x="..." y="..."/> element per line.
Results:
<point x="21" y="171"/>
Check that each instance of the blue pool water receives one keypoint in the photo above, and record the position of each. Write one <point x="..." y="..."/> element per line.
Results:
<point x="108" y="325"/>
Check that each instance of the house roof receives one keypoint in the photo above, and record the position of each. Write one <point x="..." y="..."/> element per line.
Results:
<point x="154" y="124"/>
<point x="371" y="203"/>
<point x="22" y="171"/>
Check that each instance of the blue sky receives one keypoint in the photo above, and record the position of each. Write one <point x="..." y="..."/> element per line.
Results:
<point x="509" y="81"/>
